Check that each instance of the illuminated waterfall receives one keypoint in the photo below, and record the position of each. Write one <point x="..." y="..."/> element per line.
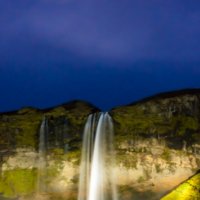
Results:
<point x="88" y="145"/>
<point x="96" y="174"/>
<point x="41" y="187"/>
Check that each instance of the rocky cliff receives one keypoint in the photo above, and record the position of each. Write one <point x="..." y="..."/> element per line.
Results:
<point x="157" y="144"/>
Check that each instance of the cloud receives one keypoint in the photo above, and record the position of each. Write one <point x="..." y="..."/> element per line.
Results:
<point x="108" y="30"/>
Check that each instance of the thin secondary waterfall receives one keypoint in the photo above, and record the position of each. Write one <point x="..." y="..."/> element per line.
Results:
<point x="96" y="174"/>
<point x="42" y="138"/>
<point x="41" y="187"/>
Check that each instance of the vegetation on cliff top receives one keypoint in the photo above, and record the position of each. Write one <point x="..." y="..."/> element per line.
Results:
<point x="173" y="117"/>
<point x="21" y="128"/>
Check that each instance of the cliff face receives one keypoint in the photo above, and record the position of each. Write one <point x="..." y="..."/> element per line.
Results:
<point x="157" y="144"/>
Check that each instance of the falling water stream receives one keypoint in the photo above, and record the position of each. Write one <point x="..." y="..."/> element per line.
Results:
<point x="41" y="186"/>
<point x="96" y="172"/>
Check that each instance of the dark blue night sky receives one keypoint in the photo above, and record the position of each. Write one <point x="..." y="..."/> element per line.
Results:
<point x="107" y="52"/>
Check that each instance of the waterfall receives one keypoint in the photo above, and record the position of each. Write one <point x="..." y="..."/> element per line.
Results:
<point x="87" y="149"/>
<point x="42" y="137"/>
<point x="96" y="172"/>
<point x="41" y="186"/>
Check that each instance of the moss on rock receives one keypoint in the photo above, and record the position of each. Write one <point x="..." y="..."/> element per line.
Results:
<point x="20" y="128"/>
<point x="18" y="182"/>
<point x="174" y="118"/>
